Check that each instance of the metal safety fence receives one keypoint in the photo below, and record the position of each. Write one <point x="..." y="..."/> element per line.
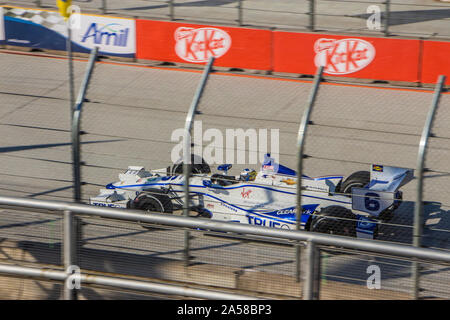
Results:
<point x="128" y="118"/>
<point x="312" y="265"/>
<point x="405" y="18"/>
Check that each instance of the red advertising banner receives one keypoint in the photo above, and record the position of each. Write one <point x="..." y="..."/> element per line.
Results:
<point x="182" y="42"/>
<point x="348" y="56"/>
<point x="343" y="56"/>
<point x="435" y="61"/>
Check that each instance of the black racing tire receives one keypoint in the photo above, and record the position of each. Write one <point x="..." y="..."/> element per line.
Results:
<point x="196" y="168"/>
<point x="358" y="179"/>
<point x="151" y="203"/>
<point x="335" y="220"/>
<point x="386" y="215"/>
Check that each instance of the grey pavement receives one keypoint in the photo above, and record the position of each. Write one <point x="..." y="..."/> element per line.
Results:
<point x="132" y="112"/>
<point x="406" y="18"/>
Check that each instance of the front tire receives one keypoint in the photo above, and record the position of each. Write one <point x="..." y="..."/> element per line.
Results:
<point x="151" y="203"/>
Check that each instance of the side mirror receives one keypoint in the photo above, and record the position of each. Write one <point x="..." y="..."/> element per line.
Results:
<point x="207" y="183"/>
<point x="224" y="167"/>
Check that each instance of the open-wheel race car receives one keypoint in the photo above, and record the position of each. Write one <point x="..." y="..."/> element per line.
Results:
<point x="330" y="204"/>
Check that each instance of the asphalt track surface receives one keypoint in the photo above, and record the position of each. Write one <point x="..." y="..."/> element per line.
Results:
<point x="414" y="18"/>
<point x="129" y="118"/>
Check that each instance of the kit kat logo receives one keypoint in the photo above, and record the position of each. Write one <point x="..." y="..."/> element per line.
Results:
<point x="197" y="45"/>
<point x="343" y="56"/>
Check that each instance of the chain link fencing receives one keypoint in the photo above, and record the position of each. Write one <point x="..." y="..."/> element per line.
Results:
<point x="351" y="271"/>
<point x="129" y="117"/>
<point x="436" y="180"/>
<point x="355" y="128"/>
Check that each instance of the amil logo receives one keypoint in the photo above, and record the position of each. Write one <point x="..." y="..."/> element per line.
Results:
<point x="112" y="34"/>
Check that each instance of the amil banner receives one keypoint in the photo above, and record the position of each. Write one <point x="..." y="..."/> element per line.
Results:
<point x="47" y="30"/>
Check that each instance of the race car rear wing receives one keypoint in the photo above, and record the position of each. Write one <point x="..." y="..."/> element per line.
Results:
<point x="382" y="191"/>
<point x="384" y="178"/>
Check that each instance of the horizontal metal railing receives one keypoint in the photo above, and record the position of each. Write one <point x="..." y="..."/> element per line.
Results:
<point x="120" y="283"/>
<point x="312" y="239"/>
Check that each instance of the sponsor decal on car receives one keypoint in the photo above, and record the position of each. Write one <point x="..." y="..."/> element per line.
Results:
<point x="257" y="221"/>
<point x="286" y="211"/>
<point x="245" y="193"/>
<point x="228" y="207"/>
<point x="110" y="205"/>
<point x="289" y="181"/>
<point x="378" y="168"/>
<point x="198" y="45"/>
<point x="343" y="56"/>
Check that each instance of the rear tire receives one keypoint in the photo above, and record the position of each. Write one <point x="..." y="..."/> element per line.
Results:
<point x="357" y="179"/>
<point x="196" y="168"/>
<point x="335" y="220"/>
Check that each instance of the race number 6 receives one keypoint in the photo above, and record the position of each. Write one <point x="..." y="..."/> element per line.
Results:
<point x="370" y="203"/>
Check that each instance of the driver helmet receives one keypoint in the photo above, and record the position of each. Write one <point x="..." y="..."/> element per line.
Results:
<point x="248" y="175"/>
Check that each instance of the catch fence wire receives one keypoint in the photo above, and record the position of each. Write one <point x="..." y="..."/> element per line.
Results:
<point x="437" y="179"/>
<point x="354" y="275"/>
<point x="129" y="247"/>
<point x="135" y="113"/>
<point x="30" y="239"/>
<point x="255" y="107"/>
<point x="128" y="119"/>
<point x="360" y="128"/>
<point x="36" y="146"/>
<point x="245" y="283"/>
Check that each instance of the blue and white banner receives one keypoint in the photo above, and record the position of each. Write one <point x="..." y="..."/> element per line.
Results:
<point x="48" y="30"/>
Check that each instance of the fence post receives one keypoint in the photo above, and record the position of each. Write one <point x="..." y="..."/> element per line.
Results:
<point x="418" y="208"/>
<point x="70" y="65"/>
<point x="187" y="152"/>
<point x="104" y="7"/>
<point x="171" y="10"/>
<point x="312" y="15"/>
<point x="311" y="286"/>
<point x="387" y="17"/>
<point x="300" y="147"/>
<point x="76" y="123"/>
<point x="239" y="7"/>
<point x="69" y="255"/>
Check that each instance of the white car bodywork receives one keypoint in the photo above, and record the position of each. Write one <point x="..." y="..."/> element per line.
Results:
<point x="269" y="200"/>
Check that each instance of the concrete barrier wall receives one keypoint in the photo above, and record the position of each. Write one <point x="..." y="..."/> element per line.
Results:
<point x="373" y="58"/>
